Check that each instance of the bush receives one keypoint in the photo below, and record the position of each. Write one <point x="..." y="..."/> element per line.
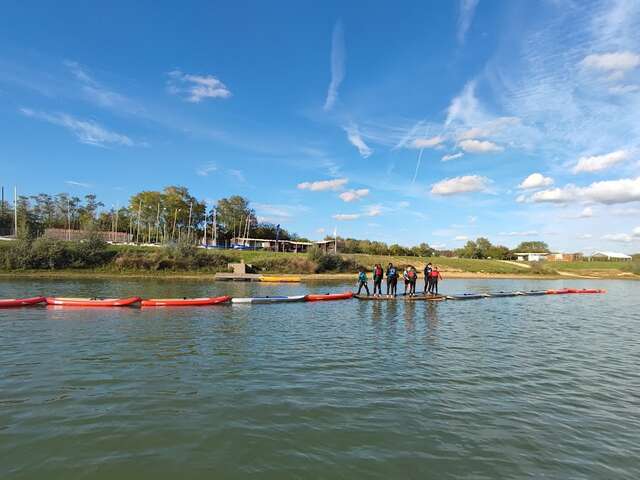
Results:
<point x="177" y="258"/>
<point x="328" y="262"/>
<point x="285" y="265"/>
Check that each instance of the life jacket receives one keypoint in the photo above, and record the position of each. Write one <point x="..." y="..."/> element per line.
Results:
<point x="392" y="272"/>
<point x="362" y="277"/>
<point x="411" y="275"/>
<point x="434" y="273"/>
<point x="378" y="272"/>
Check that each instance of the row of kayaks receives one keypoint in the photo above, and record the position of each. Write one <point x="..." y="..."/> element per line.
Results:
<point x="206" y="301"/>
<point x="562" y="291"/>
<point x="167" y="302"/>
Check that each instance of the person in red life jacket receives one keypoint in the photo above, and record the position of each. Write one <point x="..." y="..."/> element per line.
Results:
<point x="412" y="276"/>
<point x="392" y="280"/>
<point x="435" y="276"/>
<point x="378" y="273"/>
<point x="427" y="278"/>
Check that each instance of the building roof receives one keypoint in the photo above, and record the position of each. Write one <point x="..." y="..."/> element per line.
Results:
<point x="530" y="253"/>
<point x="621" y="256"/>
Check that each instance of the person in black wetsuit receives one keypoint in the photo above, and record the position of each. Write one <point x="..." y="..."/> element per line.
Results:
<point x="378" y="273"/>
<point x="427" y="278"/>
<point x="392" y="280"/>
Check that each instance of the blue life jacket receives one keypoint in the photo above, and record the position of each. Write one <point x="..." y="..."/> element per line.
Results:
<point x="392" y="272"/>
<point x="362" y="277"/>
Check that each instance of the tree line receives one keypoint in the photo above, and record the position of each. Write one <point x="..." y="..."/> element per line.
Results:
<point x="168" y="215"/>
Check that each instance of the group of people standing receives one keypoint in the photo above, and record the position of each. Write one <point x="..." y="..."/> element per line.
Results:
<point x="410" y="277"/>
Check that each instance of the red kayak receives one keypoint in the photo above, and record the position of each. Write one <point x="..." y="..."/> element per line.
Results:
<point x="184" y="302"/>
<point x="92" y="302"/>
<point x="561" y="291"/>
<point x="329" y="296"/>
<point x="20" y="302"/>
<point x="587" y="290"/>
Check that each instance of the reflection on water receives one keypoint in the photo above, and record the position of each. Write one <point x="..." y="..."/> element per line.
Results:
<point x="522" y="387"/>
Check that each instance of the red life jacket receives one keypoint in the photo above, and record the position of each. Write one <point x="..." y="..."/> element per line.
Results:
<point x="378" y="272"/>
<point x="411" y="274"/>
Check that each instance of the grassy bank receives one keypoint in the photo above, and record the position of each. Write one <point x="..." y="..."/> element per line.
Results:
<point x="62" y="259"/>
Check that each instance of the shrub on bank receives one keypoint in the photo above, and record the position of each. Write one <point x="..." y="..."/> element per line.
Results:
<point x="49" y="254"/>
<point x="180" y="257"/>
<point x="329" y="262"/>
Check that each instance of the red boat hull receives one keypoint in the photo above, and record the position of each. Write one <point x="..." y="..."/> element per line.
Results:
<point x="88" y="302"/>
<point x="20" y="302"/>
<point x="329" y="296"/>
<point x="184" y="302"/>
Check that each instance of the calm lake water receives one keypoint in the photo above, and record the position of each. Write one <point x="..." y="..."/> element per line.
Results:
<point x="525" y="387"/>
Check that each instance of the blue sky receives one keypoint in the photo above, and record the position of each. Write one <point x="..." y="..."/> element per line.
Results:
<point x="411" y="122"/>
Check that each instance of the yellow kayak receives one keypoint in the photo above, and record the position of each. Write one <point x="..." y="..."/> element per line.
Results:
<point x="273" y="278"/>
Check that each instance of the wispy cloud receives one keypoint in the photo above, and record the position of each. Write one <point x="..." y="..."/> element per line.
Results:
<point x="353" y="134"/>
<point x="452" y="156"/>
<point x="237" y="174"/>
<point x="73" y="183"/>
<point x="86" y="131"/>
<point x="337" y="65"/>
<point x="467" y="11"/>
<point x="206" y="169"/>
<point x="344" y="217"/>
<point x="323" y="185"/>
<point x="464" y="184"/>
<point x="526" y="233"/>
<point x="427" y="142"/>
<point x="195" y="88"/>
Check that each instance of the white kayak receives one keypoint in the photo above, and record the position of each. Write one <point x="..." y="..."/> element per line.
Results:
<point x="294" y="298"/>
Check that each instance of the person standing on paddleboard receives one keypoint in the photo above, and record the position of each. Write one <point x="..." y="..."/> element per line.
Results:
<point x="427" y="278"/>
<point x="435" y="276"/>
<point x="378" y="273"/>
<point x="362" y="281"/>
<point x="412" y="276"/>
<point x="392" y="280"/>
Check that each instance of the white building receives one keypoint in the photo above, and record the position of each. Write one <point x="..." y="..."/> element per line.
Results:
<point x="611" y="256"/>
<point x="531" y="257"/>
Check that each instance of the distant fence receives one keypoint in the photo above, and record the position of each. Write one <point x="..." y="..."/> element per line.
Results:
<point x="75" y="235"/>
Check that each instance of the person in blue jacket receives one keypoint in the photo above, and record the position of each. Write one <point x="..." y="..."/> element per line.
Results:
<point x="362" y="281"/>
<point x="392" y="280"/>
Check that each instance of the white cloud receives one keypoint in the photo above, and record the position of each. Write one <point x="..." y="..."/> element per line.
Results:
<point x="616" y="61"/>
<point x="352" y="195"/>
<point x="467" y="10"/>
<point x="636" y="232"/>
<point x="535" y="180"/>
<point x="452" y="156"/>
<point x="488" y="129"/>
<point x="479" y="146"/>
<point x="86" y="131"/>
<point x="461" y="238"/>
<point x="337" y="65"/>
<point x="206" y="169"/>
<point x="323" y="185"/>
<point x="623" y="89"/>
<point x="373" y="211"/>
<point x="464" y="184"/>
<point x="526" y="233"/>
<point x="427" y="142"/>
<point x="608" y="192"/>
<point x="521" y="198"/>
<point x="587" y="212"/>
<point x="345" y="217"/>
<point x="353" y="134"/>
<point x="618" y="237"/>
<point x="278" y="213"/>
<point x="97" y="93"/>
<point x="196" y="88"/>
<point x="600" y="162"/>
<point x="465" y="107"/>
<point x="237" y="174"/>
<point x="77" y="184"/>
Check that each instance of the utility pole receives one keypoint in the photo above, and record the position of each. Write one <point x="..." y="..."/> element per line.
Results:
<point x="215" y="227"/>
<point x="205" y="226"/>
<point x="189" y="228"/>
<point x="15" y="212"/>
<point x="138" y="229"/>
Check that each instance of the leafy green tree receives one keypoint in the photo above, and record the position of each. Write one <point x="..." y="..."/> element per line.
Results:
<point x="532" y="247"/>
<point x="232" y="214"/>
